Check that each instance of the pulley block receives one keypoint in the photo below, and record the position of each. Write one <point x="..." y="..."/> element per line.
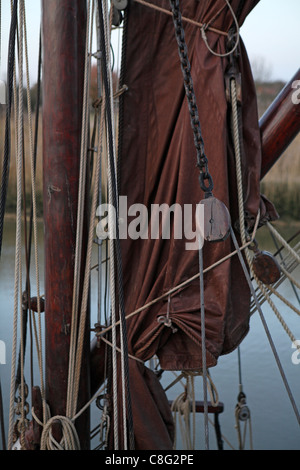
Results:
<point x="216" y="224"/>
<point x="265" y="266"/>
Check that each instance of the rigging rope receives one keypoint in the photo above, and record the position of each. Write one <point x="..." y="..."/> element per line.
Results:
<point x="184" y="18"/>
<point x="204" y="37"/>
<point x="34" y="208"/>
<point x="7" y="142"/>
<point x="18" y="260"/>
<point x="237" y="149"/>
<point x="73" y="378"/>
<point x="185" y="403"/>
<point x="183" y="284"/>
<point x="261" y="286"/>
<point x="116" y="243"/>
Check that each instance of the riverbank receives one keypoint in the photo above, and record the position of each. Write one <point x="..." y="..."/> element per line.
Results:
<point x="280" y="185"/>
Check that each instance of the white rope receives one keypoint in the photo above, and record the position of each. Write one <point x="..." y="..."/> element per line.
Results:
<point x="72" y="384"/>
<point x="241" y="210"/>
<point x="283" y="242"/>
<point x="185" y="404"/>
<point x="242" y="226"/>
<point x="188" y="281"/>
<point x="86" y="282"/>
<point x="18" y="260"/>
<point x="290" y="277"/>
<point x="204" y="37"/>
<point x="249" y="260"/>
<point x="34" y="213"/>
<point x="247" y="424"/>
<point x="181" y="408"/>
<point x="69" y="440"/>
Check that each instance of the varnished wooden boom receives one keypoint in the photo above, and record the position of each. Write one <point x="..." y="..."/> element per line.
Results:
<point x="280" y="124"/>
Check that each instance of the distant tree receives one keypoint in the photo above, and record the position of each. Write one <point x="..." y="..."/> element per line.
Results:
<point x="261" y="70"/>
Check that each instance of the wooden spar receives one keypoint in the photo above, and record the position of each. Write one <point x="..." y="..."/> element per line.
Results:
<point x="279" y="125"/>
<point x="64" y="27"/>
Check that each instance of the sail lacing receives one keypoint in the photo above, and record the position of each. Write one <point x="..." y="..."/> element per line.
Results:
<point x="236" y="42"/>
<point x="184" y="18"/>
<point x="185" y="283"/>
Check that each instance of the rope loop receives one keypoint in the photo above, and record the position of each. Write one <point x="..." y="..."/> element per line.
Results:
<point x="237" y="34"/>
<point x="69" y="441"/>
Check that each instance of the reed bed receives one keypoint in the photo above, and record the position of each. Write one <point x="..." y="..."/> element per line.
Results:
<point x="12" y="184"/>
<point x="281" y="185"/>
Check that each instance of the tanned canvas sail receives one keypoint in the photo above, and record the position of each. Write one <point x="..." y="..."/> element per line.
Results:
<point x="157" y="165"/>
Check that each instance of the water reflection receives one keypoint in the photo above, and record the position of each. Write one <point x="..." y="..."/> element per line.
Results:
<point x="273" y="421"/>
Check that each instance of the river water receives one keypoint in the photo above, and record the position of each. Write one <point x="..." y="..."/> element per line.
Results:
<point x="274" y="424"/>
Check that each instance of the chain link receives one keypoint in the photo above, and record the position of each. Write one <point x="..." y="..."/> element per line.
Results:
<point x="205" y="178"/>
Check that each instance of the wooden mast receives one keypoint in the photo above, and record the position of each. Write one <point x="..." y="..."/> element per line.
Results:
<point x="64" y="28"/>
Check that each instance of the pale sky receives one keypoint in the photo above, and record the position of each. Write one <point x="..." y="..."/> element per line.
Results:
<point x="271" y="34"/>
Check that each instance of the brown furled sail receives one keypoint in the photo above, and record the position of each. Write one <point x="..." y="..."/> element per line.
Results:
<point x="158" y="166"/>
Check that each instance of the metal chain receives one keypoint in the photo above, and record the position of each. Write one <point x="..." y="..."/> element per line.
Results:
<point x="205" y="178"/>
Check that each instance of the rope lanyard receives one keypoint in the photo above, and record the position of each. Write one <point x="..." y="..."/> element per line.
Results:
<point x="115" y="244"/>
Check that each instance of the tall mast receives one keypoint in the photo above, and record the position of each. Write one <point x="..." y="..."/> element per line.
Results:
<point x="64" y="29"/>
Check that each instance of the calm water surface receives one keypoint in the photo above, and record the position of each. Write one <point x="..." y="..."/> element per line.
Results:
<point x="274" y="424"/>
